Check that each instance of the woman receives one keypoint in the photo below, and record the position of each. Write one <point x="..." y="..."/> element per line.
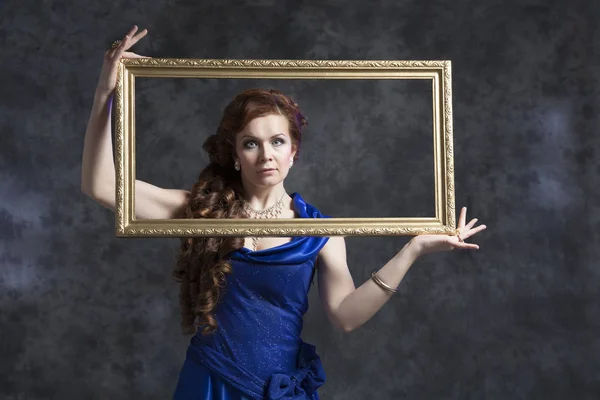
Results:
<point x="244" y="298"/>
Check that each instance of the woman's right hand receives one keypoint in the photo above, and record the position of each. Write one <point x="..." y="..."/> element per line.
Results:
<point x="108" y="76"/>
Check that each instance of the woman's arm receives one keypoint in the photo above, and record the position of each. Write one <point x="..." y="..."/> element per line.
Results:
<point x="98" y="168"/>
<point x="348" y="307"/>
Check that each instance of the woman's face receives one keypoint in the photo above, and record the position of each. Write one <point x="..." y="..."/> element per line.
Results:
<point x="265" y="150"/>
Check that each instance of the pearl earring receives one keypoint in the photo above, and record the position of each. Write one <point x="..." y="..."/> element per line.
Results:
<point x="236" y="165"/>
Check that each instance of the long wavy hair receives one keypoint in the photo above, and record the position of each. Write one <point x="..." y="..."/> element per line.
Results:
<point x="202" y="264"/>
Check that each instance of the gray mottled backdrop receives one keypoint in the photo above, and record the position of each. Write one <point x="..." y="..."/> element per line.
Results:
<point x="85" y="315"/>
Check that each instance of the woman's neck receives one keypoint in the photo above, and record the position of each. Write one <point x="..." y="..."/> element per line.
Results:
<point x="261" y="198"/>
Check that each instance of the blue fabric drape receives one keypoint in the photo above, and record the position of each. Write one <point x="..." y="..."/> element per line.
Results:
<point x="257" y="352"/>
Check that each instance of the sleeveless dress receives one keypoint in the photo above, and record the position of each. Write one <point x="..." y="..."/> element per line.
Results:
<point x="256" y="351"/>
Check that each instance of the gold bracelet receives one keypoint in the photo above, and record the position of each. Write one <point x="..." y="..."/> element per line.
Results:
<point x="381" y="284"/>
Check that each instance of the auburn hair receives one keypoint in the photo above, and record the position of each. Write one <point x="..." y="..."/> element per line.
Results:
<point x="202" y="263"/>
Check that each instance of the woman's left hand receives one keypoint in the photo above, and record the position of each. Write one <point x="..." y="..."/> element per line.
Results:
<point x="426" y="244"/>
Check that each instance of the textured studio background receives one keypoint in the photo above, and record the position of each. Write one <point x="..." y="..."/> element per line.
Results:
<point x="85" y="315"/>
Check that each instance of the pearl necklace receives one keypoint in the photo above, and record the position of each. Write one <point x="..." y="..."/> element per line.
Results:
<point x="268" y="213"/>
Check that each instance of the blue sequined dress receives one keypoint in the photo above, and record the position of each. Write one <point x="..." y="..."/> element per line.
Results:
<point x="256" y="351"/>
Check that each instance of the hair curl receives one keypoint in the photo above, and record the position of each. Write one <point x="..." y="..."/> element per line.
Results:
<point x="202" y="264"/>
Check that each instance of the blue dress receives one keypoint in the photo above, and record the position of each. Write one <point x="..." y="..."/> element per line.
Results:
<point x="256" y="351"/>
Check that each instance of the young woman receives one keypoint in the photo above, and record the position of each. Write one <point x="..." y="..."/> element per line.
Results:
<point x="244" y="298"/>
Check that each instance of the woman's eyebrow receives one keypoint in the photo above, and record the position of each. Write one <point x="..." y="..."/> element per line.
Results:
<point x="254" y="137"/>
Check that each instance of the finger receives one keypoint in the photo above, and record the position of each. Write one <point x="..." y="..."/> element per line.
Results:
<point x="134" y="39"/>
<point x="128" y="54"/>
<point x="126" y="40"/>
<point x="466" y="246"/>
<point x="463" y="217"/>
<point x="132" y="31"/>
<point x="112" y="51"/>
<point x="471" y="223"/>
<point x="122" y="47"/>
<point x="474" y="231"/>
<point x="140" y="35"/>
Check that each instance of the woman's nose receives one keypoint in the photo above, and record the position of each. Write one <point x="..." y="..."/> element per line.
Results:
<point x="265" y="154"/>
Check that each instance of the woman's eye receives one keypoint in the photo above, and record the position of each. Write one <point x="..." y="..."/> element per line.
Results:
<point x="278" y="142"/>
<point x="250" y="144"/>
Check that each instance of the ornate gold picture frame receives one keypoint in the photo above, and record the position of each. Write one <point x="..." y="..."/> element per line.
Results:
<point x="438" y="72"/>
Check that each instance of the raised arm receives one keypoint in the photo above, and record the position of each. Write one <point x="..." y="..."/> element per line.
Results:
<point x="348" y="307"/>
<point x="98" y="168"/>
